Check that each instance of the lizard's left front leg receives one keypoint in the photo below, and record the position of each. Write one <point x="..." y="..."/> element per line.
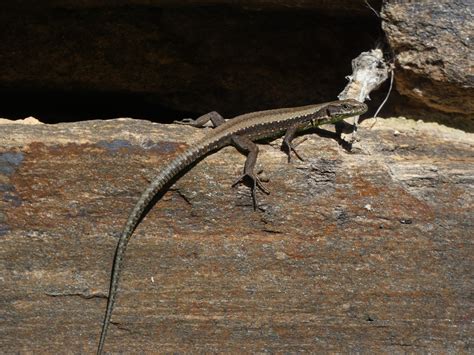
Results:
<point x="251" y="149"/>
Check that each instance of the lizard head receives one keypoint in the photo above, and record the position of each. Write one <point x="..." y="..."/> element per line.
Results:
<point x="338" y="110"/>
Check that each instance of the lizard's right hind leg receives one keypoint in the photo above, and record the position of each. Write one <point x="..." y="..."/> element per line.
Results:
<point x="199" y="122"/>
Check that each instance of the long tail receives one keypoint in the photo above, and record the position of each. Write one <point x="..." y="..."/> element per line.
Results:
<point x="177" y="165"/>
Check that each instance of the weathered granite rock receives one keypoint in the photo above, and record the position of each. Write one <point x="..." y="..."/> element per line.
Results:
<point x="365" y="252"/>
<point x="434" y="52"/>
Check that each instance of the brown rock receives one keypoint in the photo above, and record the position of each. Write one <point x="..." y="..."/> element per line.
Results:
<point x="365" y="252"/>
<point x="432" y="43"/>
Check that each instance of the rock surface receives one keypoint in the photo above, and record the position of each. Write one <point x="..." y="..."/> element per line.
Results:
<point x="364" y="252"/>
<point x="434" y="52"/>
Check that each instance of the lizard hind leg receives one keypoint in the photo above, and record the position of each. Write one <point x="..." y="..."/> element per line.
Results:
<point x="251" y="149"/>
<point x="288" y="145"/>
<point x="200" y="122"/>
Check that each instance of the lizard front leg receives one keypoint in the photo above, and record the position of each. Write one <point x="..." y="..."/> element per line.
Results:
<point x="199" y="122"/>
<point x="251" y="149"/>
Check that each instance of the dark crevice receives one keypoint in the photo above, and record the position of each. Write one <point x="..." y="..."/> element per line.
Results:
<point x="74" y="63"/>
<point x="54" y="106"/>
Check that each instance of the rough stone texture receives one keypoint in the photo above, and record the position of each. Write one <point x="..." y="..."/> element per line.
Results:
<point x="433" y="47"/>
<point x="364" y="252"/>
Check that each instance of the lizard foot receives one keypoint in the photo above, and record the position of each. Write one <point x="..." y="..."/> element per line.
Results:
<point x="186" y="121"/>
<point x="290" y="147"/>
<point x="255" y="182"/>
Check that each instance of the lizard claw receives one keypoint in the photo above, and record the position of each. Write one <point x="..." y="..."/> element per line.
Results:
<point x="256" y="182"/>
<point x="186" y="121"/>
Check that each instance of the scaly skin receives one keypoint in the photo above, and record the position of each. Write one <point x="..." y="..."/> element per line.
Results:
<point x="240" y="131"/>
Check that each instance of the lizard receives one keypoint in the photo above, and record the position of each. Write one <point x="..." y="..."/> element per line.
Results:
<point x="241" y="131"/>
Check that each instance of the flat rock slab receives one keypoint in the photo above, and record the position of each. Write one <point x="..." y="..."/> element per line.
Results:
<point x="366" y="251"/>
